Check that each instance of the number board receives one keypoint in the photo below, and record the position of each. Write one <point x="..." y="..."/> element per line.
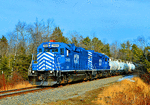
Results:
<point x="55" y="45"/>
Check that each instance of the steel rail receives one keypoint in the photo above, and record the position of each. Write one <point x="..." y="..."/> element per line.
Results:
<point x="8" y="93"/>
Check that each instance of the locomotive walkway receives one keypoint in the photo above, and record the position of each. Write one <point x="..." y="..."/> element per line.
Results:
<point x="59" y="93"/>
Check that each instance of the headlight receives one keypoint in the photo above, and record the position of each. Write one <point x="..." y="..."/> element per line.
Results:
<point x="32" y="71"/>
<point x="45" y="45"/>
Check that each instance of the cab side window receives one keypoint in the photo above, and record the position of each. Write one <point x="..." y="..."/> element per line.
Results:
<point x="62" y="51"/>
<point x="40" y="50"/>
<point x="106" y="59"/>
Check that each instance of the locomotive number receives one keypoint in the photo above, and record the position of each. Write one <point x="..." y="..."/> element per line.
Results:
<point x="67" y="59"/>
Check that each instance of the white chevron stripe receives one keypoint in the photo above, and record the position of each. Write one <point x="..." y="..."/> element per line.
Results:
<point x="89" y="52"/>
<point x="45" y="59"/>
<point x="38" y="57"/>
<point x="50" y="53"/>
<point x="39" y="54"/>
<point x="45" y="55"/>
<point x="49" y="64"/>
<point x="49" y="56"/>
<point x="48" y="67"/>
<point x="41" y="62"/>
<point x="41" y="66"/>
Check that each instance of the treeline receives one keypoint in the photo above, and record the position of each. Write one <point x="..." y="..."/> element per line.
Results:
<point x="16" y="51"/>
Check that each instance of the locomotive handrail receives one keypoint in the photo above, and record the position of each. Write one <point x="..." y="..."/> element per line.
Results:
<point x="29" y="69"/>
<point x="58" y="63"/>
<point x="34" y="61"/>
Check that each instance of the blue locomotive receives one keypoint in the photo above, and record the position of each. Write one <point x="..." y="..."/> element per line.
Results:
<point x="58" y="62"/>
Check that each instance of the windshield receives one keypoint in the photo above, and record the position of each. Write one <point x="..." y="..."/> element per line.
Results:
<point x="51" y="50"/>
<point x="54" y="50"/>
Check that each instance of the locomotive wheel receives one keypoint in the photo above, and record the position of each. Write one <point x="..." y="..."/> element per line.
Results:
<point x="65" y="79"/>
<point x="59" y="80"/>
<point x="86" y="77"/>
<point x="70" y="78"/>
<point x="100" y="75"/>
<point x="109" y="74"/>
<point x="106" y="74"/>
<point x="49" y="81"/>
<point x="91" y="77"/>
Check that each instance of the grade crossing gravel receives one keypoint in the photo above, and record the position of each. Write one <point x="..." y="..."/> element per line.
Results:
<point x="60" y="93"/>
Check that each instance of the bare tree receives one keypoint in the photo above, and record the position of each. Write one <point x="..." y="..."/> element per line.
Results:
<point x="76" y="38"/>
<point x="114" y="50"/>
<point x="39" y="33"/>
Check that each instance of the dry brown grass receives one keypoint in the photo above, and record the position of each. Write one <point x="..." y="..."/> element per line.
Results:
<point x="125" y="93"/>
<point x="15" y="82"/>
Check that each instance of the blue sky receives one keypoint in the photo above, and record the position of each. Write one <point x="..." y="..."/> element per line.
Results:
<point x="109" y="20"/>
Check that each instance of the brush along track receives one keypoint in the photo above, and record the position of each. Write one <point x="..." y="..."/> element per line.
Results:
<point x="60" y="92"/>
<point x="14" y="92"/>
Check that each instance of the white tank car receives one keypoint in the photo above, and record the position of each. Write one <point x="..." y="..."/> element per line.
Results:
<point x="118" y="64"/>
<point x="126" y="67"/>
<point x="121" y="65"/>
<point x="114" y="65"/>
<point x="129" y="66"/>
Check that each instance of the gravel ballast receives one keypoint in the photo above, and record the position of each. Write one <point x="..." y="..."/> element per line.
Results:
<point x="60" y="93"/>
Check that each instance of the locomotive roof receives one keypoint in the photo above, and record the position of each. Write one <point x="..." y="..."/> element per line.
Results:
<point x="101" y="54"/>
<point x="70" y="47"/>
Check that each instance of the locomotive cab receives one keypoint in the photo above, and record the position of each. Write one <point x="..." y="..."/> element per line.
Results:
<point x="52" y="57"/>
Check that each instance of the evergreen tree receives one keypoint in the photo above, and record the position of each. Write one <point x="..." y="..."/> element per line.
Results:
<point x="106" y="50"/>
<point x="125" y="52"/>
<point x="97" y="45"/>
<point x="4" y="66"/>
<point x="3" y="46"/>
<point x="22" y="63"/>
<point x="137" y="54"/>
<point x="87" y="43"/>
<point x="57" y="35"/>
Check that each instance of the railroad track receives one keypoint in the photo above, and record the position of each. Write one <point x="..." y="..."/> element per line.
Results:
<point x="13" y="92"/>
<point x="8" y="93"/>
